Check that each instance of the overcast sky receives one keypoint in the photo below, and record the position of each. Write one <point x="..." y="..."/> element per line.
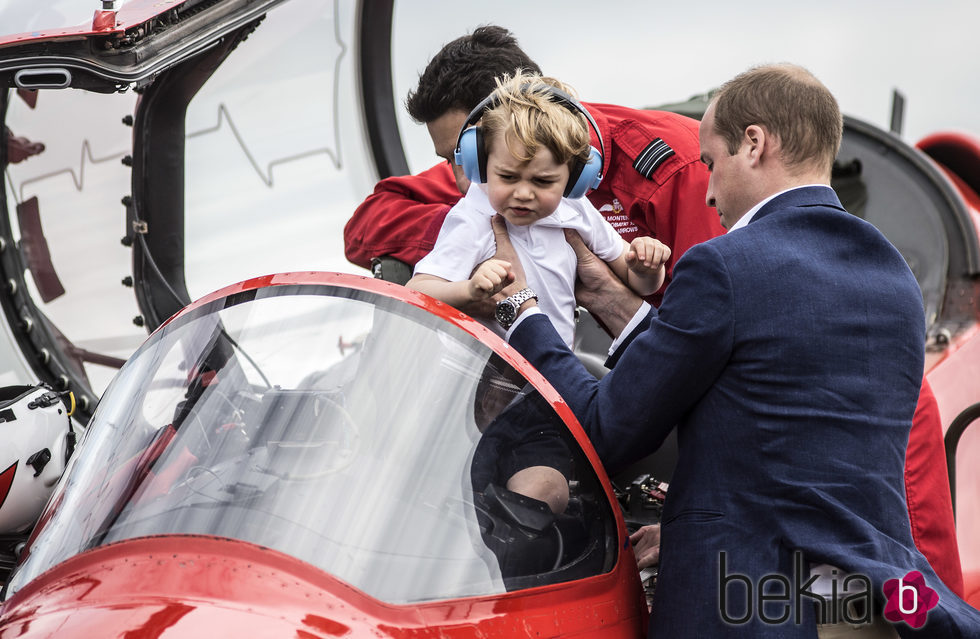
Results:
<point x="646" y="52"/>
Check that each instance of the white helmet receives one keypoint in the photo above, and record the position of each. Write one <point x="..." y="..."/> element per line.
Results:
<point x="36" y="439"/>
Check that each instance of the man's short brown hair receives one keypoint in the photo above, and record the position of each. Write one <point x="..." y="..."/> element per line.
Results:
<point x="791" y="104"/>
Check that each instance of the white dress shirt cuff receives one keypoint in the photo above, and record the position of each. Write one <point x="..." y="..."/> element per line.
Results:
<point x="637" y="318"/>
<point x="534" y="310"/>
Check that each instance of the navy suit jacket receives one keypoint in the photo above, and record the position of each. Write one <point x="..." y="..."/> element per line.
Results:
<point x="789" y="354"/>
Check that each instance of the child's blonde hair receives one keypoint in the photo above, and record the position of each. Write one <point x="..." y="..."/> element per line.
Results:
<point x="528" y="115"/>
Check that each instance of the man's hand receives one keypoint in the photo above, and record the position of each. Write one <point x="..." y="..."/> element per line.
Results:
<point x="599" y="290"/>
<point x="646" y="546"/>
<point x="506" y="252"/>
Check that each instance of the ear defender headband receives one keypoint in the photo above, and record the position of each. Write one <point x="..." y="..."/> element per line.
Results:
<point x="471" y="150"/>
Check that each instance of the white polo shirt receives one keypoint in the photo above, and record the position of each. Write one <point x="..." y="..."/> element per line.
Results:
<point x="466" y="239"/>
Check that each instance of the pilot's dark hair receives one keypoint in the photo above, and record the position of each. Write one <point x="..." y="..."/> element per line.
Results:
<point x="462" y="73"/>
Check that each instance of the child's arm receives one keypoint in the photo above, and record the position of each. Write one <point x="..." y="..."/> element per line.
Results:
<point x="487" y="280"/>
<point x="641" y="265"/>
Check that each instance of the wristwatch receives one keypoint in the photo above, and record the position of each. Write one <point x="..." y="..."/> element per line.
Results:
<point x="506" y="311"/>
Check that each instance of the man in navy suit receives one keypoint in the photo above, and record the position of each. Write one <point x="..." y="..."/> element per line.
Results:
<point x="789" y="354"/>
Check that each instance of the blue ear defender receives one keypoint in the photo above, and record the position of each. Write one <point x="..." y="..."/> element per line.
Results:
<point x="468" y="153"/>
<point x="589" y="175"/>
<point x="471" y="151"/>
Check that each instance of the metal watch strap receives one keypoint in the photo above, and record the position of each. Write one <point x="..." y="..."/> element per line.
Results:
<point x="521" y="296"/>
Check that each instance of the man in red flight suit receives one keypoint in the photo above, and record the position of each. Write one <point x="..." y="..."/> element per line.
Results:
<point x="927" y="492"/>
<point x="653" y="184"/>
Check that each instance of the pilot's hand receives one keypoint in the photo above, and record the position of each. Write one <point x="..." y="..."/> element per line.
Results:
<point x="646" y="546"/>
<point x="599" y="290"/>
<point x="506" y="252"/>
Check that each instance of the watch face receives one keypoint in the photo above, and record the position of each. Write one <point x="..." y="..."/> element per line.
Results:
<point x="505" y="313"/>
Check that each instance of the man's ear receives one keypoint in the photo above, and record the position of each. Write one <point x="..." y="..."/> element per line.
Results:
<point x="758" y="142"/>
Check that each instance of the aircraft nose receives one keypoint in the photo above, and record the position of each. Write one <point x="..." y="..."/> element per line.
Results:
<point x="184" y="587"/>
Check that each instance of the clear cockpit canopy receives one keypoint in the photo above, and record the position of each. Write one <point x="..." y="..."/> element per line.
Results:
<point x="356" y="432"/>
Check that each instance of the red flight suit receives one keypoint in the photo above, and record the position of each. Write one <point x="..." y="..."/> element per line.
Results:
<point x="927" y="492"/>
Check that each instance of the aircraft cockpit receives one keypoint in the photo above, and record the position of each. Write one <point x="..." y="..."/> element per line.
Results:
<point x="328" y="421"/>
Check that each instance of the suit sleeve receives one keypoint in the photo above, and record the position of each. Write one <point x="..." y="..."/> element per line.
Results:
<point x="401" y="218"/>
<point x="661" y="374"/>
<point x="641" y="326"/>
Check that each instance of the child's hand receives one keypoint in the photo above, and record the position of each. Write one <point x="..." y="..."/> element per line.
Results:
<point x="646" y="255"/>
<point x="488" y="279"/>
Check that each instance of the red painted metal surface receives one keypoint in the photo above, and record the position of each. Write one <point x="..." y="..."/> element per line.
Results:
<point x="104" y="21"/>
<point x="132" y="13"/>
<point x="6" y="481"/>
<point x="210" y="587"/>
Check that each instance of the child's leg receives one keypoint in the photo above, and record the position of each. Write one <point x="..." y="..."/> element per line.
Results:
<point x="543" y="483"/>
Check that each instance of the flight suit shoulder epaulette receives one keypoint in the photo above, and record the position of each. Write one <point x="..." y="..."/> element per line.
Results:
<point x="651" y="157"/>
